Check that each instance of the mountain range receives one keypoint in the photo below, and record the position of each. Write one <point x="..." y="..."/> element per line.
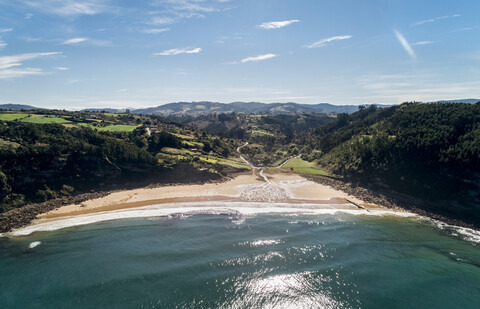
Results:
<point x="17" y="107"/>
<point x="194" y="108"/>
<point x="206" y="107"/>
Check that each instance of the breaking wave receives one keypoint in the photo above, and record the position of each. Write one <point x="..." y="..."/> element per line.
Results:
<point x="234" y="210"/>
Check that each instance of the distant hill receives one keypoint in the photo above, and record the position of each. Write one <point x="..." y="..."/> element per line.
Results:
<point x="107" y="110"/>
<point x="195" y="108"/>
<point x="17" y="107"/>
<point x="471" y="101"/>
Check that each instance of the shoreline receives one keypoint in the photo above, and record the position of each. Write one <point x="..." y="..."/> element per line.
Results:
<point x="283" y="188"/>
<point x="390" y="200"/>
<point x="301" y="192"/>
<point x="23" y="216"/>
<point x="286" y="188"/>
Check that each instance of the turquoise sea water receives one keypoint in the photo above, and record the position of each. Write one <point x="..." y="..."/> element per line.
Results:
<point x="230" y="261"/>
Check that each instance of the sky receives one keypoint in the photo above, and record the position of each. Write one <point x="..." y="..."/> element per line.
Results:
<point x="74" y="54"/>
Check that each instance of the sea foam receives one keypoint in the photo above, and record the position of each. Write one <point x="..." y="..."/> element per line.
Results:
<point x="34" y="244"/>
<point x="184" y="210"/>
<point x="464" y="233"/>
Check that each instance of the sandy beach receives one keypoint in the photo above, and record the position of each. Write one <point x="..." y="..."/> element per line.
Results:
<point x="284" y="188"/>
<point x="245" y="194"/>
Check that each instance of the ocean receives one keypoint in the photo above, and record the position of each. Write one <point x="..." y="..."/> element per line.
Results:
<point x="228" y="259"/>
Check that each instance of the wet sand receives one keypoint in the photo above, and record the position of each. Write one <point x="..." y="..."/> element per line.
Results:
<point x="284" y="188"/>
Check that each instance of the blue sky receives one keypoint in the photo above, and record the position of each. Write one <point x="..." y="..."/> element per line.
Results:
<point x="105" y="53"/>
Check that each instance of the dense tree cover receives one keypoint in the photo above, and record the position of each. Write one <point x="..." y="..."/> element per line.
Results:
<point x="429" y="150"/>
<point x="39" y="162"/>
<point x="272" y="137"/>
<point x="240" y="126"/>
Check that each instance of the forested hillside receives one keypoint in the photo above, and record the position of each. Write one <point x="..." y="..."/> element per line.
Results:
<point x="427" y="151"/>
<point x="430" y="151"/>
<point x="41" y="161"/>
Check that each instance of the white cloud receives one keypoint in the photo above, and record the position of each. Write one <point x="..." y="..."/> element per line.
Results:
<point x="277" y="24"/>
<point x="173" y="11"/>
<point x="398" y="88"/>
<point x="464" y="29"/>
<point x="326" y="41"/>
<point x="11" y="73"/>
<point x="258" y="58"/>
<point x="177" y="51"/>
<point x="432" y="20"/>
<point x="186" y="5"/>
<point x="6" y="30"/>
<point x="70" y="7"/>
<point x="2" y="44"/>
<point x="422" y="43"/>
<point x="10" y="66"/>
<point x="160" y="20"/>
<point x="15" y="60"/>
<point x="408" y="48"/>
<point x="155" y="30"/>
<point x="75" y="41"/>
<point x="62" y="68"/>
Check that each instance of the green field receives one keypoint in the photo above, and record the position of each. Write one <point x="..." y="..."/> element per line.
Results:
<point x="233" y="162"/>
<point x="118" y="128"/>
<point x="41" y="119"/>
<point x="304" y="167"/>
<point x="193" y="144"/>
<point x="111" y="128"/>
<point x="12" y="116"/>
<point x="177" y="151"/>
<point x="182" y="136"/>
<point x="169" y="154"/>
<point x="262" y="132"/>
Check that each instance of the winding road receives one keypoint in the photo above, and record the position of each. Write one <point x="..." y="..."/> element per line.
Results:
<point x="262" y="168"/>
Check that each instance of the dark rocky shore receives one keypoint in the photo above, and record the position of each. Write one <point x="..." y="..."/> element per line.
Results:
<point x="183" y="175"/>
<point x="384" y="197"/>
<point x="23" y="216"/>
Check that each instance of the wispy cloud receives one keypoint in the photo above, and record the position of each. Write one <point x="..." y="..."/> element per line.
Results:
<point x="187" y="5"/>
<point x="326" y="41"/>
<point x="173" y="11"/>
<point x="6" y="30"/>
<point x="277" y="24"/>
<point x="432" y="20"/>
<point x="10" y="66"/>
<point x="178" y="51"/>
<point x="422" y="43"/>
<point x="70" y="7"/>
<point x="161" y="20"/>
<point x="398" y="88"/>
<point x="408" y="48"/>
<point x="2" y="44"/>
<point x="258" y="58"/>
<point x="464" y="29"/>
<point x="154" y="30"/>
<point x="75" y="41"/>
<point x="62" y="68"/>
